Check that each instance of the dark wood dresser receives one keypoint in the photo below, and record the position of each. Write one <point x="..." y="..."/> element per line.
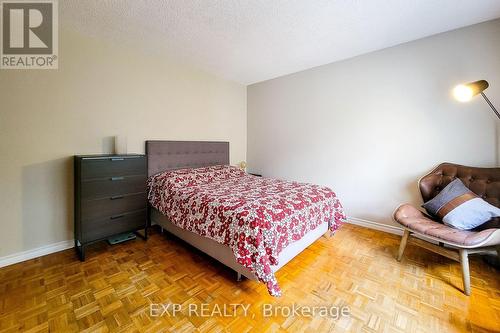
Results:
<point x="110" y="197"/>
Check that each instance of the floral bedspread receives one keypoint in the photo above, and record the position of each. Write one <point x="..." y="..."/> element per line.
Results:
<point x="256" y="217"/>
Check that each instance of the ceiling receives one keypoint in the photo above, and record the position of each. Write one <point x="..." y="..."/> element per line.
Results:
<point x="250" y="41"/>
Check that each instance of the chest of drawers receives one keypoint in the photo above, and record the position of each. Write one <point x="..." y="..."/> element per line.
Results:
<point x="110" y="197"/>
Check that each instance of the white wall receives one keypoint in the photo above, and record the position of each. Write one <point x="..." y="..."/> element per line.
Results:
<point x="370" y="126"/>
<point x="101" y="89"/>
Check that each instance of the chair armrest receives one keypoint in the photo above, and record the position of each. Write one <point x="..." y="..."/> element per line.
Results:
<point x="493" y="239"/>
<point x="405" y="211"/>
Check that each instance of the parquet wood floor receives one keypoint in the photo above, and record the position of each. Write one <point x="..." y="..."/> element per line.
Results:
<point x="112" y="290"/>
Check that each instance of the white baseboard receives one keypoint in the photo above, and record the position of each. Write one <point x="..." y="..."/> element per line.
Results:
<point x="385" y="228"/>
<point x="64" y="245"/>
<point x="376" y="225"/>
<point x="35" y="253"/>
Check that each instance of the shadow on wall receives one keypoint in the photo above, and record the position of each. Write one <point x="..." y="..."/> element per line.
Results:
<point x="410" y="193"/>
<point x="47" y="202"/>
<point x="414" y="191"/>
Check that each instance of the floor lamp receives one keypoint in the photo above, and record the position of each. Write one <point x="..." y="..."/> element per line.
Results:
<point x="464" y="93"/>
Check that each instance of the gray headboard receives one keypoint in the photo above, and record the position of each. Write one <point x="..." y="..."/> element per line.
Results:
<point x="171" y="155"/>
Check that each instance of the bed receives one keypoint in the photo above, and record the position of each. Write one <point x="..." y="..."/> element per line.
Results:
<point x="251" y="224"/>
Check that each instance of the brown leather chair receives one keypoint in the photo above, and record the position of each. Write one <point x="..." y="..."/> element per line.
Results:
<point x="453" y="243"/>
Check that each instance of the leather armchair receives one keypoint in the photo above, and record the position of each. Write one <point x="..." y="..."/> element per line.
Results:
<point x="453" y="243"/>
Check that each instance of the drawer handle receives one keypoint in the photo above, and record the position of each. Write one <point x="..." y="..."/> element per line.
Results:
<point x="117" y="159"/>
<point x="116" y="197"/>
<point x="116" y="217"/>
<point x="117" y="178"/>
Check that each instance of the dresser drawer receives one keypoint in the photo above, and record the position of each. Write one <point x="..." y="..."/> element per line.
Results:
<point x="112" y="225"/>
<point x="113" y="167"/>
<point x="113" y="205"/>
<point x="105" y="188"/>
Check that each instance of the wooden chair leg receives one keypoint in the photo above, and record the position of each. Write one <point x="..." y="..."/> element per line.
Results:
<point x="402" y="246"/>
<point x="464" y="261"/>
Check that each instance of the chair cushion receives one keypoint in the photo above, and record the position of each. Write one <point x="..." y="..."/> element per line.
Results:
<point x="413" y="219"/>
<point x="459" y="207"/>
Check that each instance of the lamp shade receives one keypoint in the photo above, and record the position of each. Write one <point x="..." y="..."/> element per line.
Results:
<point x="464" y="92"/>
<point x="120" y="144"/>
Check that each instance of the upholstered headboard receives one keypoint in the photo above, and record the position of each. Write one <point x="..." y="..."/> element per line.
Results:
<point x="171" y="155"/>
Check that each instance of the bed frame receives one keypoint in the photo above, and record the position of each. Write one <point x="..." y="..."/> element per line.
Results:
<point x="171" y="155"/>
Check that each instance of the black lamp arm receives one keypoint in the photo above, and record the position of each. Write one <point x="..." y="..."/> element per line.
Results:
<point x="490" y="104"/>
